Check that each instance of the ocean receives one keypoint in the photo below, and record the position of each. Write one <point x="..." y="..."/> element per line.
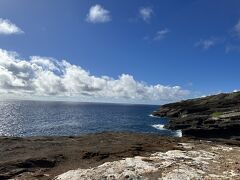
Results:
<point x="41" y="118"/>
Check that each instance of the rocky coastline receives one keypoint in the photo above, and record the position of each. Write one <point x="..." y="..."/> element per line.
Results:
<point x="210" y="148"/>
<point x="213" y="117"/>
<point x="115" y="155"/>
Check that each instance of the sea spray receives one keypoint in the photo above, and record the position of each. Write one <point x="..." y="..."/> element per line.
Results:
<point x="159" y="126"/>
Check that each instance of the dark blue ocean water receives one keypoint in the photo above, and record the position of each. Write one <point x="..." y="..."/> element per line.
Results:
<point x="36" y="118"/>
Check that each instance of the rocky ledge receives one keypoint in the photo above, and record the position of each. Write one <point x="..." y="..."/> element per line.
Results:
<point x="116" y="156"/>
<point x="215" y="116"/>
<point x="43" y="158"/>
<point x="193" y="161"/>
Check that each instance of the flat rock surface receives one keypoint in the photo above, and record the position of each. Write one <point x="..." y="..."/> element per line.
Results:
<point x="48" y="157"/>
<point x="216" y="162"/>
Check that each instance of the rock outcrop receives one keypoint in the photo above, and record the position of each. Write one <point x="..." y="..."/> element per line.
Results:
<point x="215" y="116"/>
<point x="43" y="158"/>
<point x="114" y="154"/>
<point x="192" y="162"/>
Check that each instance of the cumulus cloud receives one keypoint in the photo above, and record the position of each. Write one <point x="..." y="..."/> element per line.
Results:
<point x="97" y="14"/>
<point x="48" y="77"/>
<point x="7" y="27"/>
<point x="146" y="13"/>
<point x="161" y="34"/>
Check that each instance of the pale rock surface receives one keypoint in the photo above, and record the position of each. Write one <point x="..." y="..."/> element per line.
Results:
<point x="171" y="165"/>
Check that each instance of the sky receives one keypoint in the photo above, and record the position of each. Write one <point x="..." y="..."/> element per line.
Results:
<point x="138" y="51"/>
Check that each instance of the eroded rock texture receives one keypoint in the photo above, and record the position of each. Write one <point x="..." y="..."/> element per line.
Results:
<point x="215" y="116"/>
<point x="189" y="163"/>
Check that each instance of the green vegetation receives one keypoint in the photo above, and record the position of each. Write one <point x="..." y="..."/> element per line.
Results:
<point x="217" y="114"/>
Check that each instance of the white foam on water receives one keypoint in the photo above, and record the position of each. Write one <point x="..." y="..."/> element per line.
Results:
<point x="178" y="133"/>
<point x="151" y="115"/>
<point x="159" y="126"/>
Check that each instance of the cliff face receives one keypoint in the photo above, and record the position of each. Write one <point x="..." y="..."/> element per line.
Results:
<point x="215" y="116"/>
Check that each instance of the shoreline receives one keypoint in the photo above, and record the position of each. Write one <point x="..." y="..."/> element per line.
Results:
<point x="211" y="117"/>
<point x="46" y="157"/>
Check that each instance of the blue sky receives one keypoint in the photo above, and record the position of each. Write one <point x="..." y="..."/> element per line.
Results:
<point x="194" y="44"/>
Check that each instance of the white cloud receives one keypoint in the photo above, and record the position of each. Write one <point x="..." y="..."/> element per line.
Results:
<point x="208" y="43"/>
<point x="97" y="14"/>
<point x="146" y="13"/>
<point x="7" y="27"/>
<point x="237" y="28"/>
<point x="232" y="48"/>
<point x="48" y="77"/>
<point x="161" y="34"/>
<point x="205" y="44"/>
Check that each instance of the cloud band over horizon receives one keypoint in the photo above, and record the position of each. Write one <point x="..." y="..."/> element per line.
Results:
<point x="48" y="77"/>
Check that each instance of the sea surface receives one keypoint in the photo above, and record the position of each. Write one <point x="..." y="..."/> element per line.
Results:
<point x="40" y="118"/>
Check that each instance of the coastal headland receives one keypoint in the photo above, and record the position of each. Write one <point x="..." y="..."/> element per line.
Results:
<point x="212" y="117"/>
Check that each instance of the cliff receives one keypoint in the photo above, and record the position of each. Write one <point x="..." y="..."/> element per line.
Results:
<point x="216" y="116"/>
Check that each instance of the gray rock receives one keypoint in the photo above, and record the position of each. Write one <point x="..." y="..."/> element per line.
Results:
<point x="215" y="116"/>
